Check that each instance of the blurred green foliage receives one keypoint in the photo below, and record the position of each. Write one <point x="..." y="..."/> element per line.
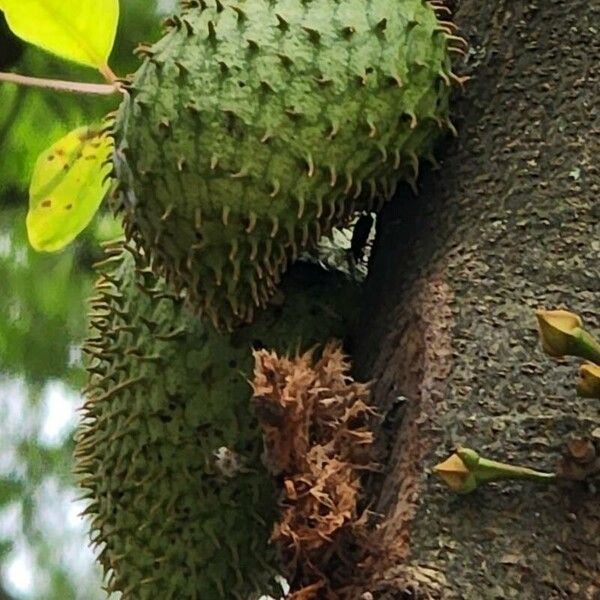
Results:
<point x="41" y="304"/>
<point x="42" y="324"/>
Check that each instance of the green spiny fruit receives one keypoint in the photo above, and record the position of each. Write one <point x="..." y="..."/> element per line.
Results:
<point x="166" y="419"/>
<point x="255" y="126"/>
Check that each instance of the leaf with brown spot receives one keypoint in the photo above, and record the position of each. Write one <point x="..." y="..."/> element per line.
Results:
<point x="68" y="184"/>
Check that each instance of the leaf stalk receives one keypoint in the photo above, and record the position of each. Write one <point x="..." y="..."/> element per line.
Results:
<point x="60" y="85"/>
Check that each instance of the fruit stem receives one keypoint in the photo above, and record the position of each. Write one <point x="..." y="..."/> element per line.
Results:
<point x="57" y="84"/>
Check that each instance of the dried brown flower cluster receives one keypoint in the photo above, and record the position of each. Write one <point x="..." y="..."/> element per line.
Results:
<point x="318" y="442"/>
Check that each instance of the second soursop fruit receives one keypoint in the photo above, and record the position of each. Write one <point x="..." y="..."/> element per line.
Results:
<point x="167" y="419"/>
<point x="255" y="126"/>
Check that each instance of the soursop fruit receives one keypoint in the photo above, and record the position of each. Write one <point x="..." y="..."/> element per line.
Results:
<point x="255" y="126"/>
<point x="168" y="450"/>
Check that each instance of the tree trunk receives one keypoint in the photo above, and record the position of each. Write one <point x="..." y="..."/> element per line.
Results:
<point x="509" y="224"/>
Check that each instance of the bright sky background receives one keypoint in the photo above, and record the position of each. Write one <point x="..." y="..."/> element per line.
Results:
<point x="56" y="511"/>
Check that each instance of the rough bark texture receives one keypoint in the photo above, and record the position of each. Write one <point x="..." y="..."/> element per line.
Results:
<point x="510" y="223"/>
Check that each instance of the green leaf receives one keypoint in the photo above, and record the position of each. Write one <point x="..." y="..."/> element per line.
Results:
<point x="69" y="182"/>
<point x="83" y="32"/>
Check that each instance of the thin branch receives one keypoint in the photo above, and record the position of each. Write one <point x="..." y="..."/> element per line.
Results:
<point x="57" y="84"/>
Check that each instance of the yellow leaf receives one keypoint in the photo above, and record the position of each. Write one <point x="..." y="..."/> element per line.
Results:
<point x="79" y="30"/>
<point x="69" y="182"/>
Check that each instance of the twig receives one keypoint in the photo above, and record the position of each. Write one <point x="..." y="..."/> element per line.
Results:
<point x="57" y="84"/>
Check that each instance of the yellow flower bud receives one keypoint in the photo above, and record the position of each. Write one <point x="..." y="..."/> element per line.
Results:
<point x="456" y="475"/>
<point x="588" y="384"/>
<point x="558" y="331"/>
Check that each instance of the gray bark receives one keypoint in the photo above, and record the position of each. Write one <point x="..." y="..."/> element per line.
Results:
<point x="509" y="224"/>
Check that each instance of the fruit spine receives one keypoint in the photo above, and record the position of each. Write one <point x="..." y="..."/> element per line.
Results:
<point x="168" y="450"/>
<point x="256" y="126"/>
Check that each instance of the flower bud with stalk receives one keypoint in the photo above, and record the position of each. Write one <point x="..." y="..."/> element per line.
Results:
<point x="465" y="471"/>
